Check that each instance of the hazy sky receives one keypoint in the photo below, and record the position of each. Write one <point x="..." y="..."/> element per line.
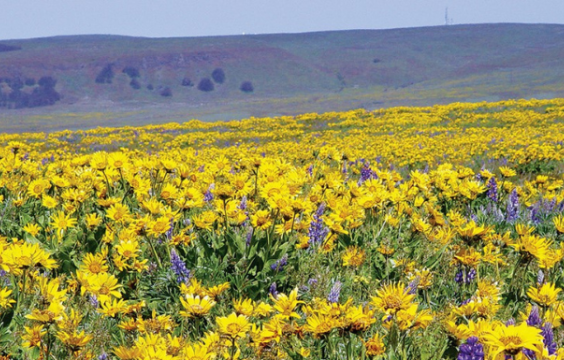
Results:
<point x="168" y="18"/>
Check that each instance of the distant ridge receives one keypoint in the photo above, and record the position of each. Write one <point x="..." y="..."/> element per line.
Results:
<point x="225" y="77"/>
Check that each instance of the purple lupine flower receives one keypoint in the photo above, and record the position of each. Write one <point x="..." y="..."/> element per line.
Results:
<point x="317" y="230"/>
<point x="208" y="196"/>
<point x="94" y="301"/>
<point x="202" y="168"/>
<point x="243" y="204"/>
<point x="366" y="173"/>
<point x="512" y="207"/>
<point x="548" y="338"/>
<point x="412" y="286"/>
<point x="459" y="277"/>
<point x="534" y="214"/>
<point x="426" y="169"/>
<point x="310" y="170"/>
<point x="472" y="350"/>
<point x="170" y="230"/>
<point x="179" y="267"/>
<point x="279" y="264"/>
<point x="510" y="322"/>
<point x="249" y="236"/>
<point x="540" y="278"/>
<point x="492" y="189"/>
<point x="273" y="290"/>
<point x="103" y="356"/>
<point x="335" y="292"/>
<point x="470" y="276"/>
<point x="534" y="318"/>
<point x="312" y="282"/>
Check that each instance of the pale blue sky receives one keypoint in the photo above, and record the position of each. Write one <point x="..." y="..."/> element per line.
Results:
<point x="171" y="18"/>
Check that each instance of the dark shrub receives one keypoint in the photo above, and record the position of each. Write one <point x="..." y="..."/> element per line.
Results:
<point x="16" y="83"/>
<point x="206" y="85"/>
<point x="166" y="92"/>
<point x="106" y="75"/>
<point x="29" y="81"/>
<point x="376" y="61"/>
<point x="9" y="48"/>
<point x="134" y="83"/>
<point x="131" y="72"/>
<point x="47" y="82"/>
<point x="187" y="82"/>
<point x="247" y="87"/>
<point x="150" y="87"/>
<point x="218" y="75"/>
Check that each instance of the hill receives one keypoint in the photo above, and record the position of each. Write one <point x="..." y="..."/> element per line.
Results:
<point x="85" y="81"/>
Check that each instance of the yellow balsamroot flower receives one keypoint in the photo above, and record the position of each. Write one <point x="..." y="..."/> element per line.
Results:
<point x="197" y="352"/>
<point x="37" y="187"/>
<point x="285" y="305"/>
<point x="510" y="340"/>
<point x="32" y="229"/>
<point x="48" y="316"/>
<point x="62" y="222"/>
<point x="113" y="307"/>
<point x="5" y="301"/>
<point x="92" y="220"/>
<point x="507" y="171"/>
<point x="392" y="298"/>
<point x="118" y="213"/>
<point x="195" y="306"/>
<point x="49" y="289"/>
<point x="205" y="220"/>
<point x="156" y="324"/>
<point x="375" y="346"/>
<point x="546" y="295"/>
<point x="49" y="202"/>
<point x="125" y="353"/>
<point x="104" y="286"/>
<point x="74" y="340"/>
<point x="358" y="319"/>
<point x="243" y="307"/>
<point x="16" y="258"/>
<point x="559" y="223"/>
<point x="320" y="324"/>
<point x="233" y="326"/>
<point x="353" y="256"/>
<point x="94" y="263"/>
<point x="159" y="226"/>
<point x="261" y="219"/>
<point x="33" y="336"/>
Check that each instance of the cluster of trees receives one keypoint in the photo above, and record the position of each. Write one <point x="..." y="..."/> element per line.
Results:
<point x="4" y="47"/>
<point x="206" y="84"/>
<point x="15" y="96"/>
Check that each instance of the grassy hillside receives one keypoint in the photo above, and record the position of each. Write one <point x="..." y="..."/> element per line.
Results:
<point x="289" y="73"/>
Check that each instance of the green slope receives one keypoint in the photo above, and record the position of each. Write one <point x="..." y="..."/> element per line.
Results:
<point x="290" y="73"/>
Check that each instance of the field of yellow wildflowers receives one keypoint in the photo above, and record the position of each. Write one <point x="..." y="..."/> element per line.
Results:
<point x="406" y="233"/>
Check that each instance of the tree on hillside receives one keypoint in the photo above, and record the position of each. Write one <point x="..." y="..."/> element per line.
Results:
<point x="247" y="87"/>
<point x="206" y="85"/>
<point x="218" y="75"/>
<point x="106" y="75"/>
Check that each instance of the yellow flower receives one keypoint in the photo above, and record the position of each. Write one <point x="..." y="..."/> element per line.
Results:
<point x="196" y="306"/>
<point x="392" y="298"/>
<point x="546" y="295"/>
<point x="353" y="256"/>
<point x="74" y="340"/>
<point x="285" y="305"/>
<point x="510" y="340"/>
<point x="320" y="324"/>
<point x="375" y="346"/>
<point x="32" y="229"/>
<point x="233" y="326"/>
<point x="5" y="302"/>
<point x="33" y="336"/>
<point x="93" y="220"/>
<point x="261" y="219"/>
<point x="61" y="222"/>
<point x="559" y="223"/>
